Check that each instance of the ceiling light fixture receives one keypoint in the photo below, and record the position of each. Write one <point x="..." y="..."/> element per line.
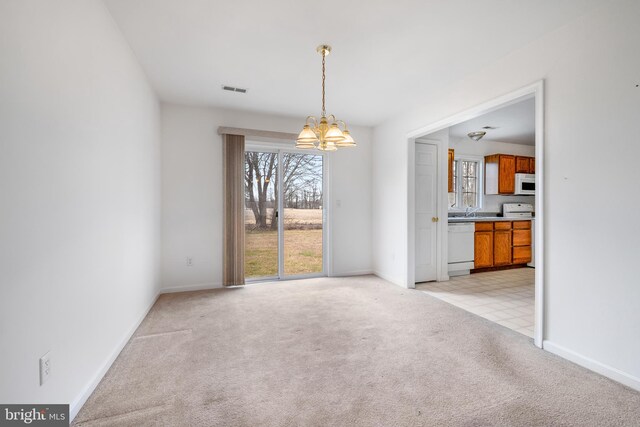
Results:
<point x="323" y="136"/>
<point x="476" y="136"/>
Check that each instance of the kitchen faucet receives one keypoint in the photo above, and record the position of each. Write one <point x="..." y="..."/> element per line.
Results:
<point x="468" y="211"/>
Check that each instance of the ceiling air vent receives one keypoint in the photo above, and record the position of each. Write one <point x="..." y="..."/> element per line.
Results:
<point x="234" y="89"/>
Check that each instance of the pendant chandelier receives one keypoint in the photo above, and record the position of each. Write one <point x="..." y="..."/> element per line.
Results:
<point x="324" y="136"/>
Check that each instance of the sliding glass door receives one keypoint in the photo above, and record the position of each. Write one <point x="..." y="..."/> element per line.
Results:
<point x="260" y="214"/>
<point x="284" y="214"/>
<point x="303" y="213"/>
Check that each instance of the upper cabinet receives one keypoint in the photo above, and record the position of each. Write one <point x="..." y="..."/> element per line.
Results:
<point x="500" y="174"/>
<point x="451" y="156"/>
<point x="525" y="164"/>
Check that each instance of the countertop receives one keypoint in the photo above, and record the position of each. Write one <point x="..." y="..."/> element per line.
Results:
<point x="485" y="219"/>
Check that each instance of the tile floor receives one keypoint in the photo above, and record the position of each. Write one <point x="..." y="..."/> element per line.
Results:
<point x="505" y="297"/>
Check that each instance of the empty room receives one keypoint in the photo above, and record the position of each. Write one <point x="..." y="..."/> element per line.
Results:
<point x="319" y="214"/>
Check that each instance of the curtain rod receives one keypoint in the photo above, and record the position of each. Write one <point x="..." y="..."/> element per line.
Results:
<point x="284" y="136"/>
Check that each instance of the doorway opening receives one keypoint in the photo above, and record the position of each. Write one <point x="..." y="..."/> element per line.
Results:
<point x="285" y="215"/>
<point x="489" y="211"/>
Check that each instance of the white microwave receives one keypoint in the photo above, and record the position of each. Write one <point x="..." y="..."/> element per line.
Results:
<point x="525" y="184"/>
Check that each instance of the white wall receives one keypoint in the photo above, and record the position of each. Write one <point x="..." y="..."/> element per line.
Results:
<point x="464" y="146"/>
<point x="592" y="106"/>
<point x="79" y="194"/>
<point x="192" y="194"/>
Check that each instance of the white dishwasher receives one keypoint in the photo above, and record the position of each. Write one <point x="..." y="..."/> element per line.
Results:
<point x="461" y="248"/>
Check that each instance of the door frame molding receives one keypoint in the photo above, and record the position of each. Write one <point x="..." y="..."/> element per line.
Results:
<point x="535" y="90"/>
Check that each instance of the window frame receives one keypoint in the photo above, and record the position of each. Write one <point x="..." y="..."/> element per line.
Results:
<point x="458" y="179"/>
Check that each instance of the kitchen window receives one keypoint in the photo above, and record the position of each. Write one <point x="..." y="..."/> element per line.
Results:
<point x="467" y="183"/>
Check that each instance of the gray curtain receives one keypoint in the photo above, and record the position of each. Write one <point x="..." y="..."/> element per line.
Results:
<point x="233" y="170"/>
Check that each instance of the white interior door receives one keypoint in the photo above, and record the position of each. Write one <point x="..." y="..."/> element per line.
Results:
<point x="426" y="211"/>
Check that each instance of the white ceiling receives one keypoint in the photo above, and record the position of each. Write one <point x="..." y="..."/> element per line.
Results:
<point x="515" y="124"/>
<point x="387" y="56"/>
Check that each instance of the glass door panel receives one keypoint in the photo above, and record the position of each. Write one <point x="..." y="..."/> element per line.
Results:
<point x="303" y="213"/>
<point x="261" y="214"/>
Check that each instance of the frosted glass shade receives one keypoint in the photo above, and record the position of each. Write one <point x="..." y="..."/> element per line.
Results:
<point x="306" y="136"/>
<point x="347" y="141"/>
<point x="305" y="145"/>
<point x="334" y="134"/>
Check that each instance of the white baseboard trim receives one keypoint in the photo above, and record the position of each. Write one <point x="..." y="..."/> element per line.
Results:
<point x="186" y="288"/>
<point x="593" y="365"/>
<point x="352" y="273"/>
<point x="391" y="279"/>
<point x="79" y="401"/>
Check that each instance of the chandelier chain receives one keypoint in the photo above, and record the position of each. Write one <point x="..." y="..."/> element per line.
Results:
<point x="324" y="112"/>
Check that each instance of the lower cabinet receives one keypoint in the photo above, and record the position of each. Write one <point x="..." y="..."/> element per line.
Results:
<point x="502" y="243"/>
<point x="483" y="249"/>
<point x="521" y="242"/>
<point x="502" y="247"/>
<point x="521" y="254"/>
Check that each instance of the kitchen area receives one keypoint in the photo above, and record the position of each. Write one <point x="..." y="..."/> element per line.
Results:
<point x="491" y="221"/>
<point x="491" y="266"/>
<point x="479" y="242"/>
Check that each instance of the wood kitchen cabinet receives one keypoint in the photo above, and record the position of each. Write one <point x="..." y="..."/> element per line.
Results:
<point x="450" y="162"/>
<point x="502" y="247"/>
<point x="521" y="254"/>
<point x="521" y="242"/>
<point x="483" y="249"/>
<point x="522" y="164"/>
<point x="502" y="244"/>
<point x="525" y="164"/>
<point x="500" y="174"/>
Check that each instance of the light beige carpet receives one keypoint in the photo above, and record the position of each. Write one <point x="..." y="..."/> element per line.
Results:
<point x="341" y="352"/>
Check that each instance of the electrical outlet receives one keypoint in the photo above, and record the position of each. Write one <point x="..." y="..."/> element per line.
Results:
<point x="189" y="262"/>
<point x="45" y="368"/>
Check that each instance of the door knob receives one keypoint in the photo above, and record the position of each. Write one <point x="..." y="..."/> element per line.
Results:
<point x="434" y="219"/>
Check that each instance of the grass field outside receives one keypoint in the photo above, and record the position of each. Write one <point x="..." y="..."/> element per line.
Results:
<point x="302" y="245"/>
